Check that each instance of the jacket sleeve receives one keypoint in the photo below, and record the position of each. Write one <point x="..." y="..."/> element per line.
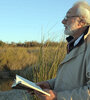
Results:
<point x="82" y="93"/>
<point x="51" y="83"/>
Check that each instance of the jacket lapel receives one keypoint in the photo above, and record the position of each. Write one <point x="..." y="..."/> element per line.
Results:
<point x="75" y="52"/>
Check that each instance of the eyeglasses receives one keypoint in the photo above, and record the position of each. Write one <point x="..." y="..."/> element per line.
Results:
<point x="68" y="17"/>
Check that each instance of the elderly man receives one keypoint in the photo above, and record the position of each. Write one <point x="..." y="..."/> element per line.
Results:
<point x="73" y="78"/>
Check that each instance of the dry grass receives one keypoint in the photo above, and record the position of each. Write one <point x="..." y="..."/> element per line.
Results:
<point x="16" y="58"/>
<point x="49" y="59"/>
<point x="36" y="64"/>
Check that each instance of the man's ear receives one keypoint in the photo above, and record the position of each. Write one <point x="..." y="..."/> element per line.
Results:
<point x="82" y="22"/>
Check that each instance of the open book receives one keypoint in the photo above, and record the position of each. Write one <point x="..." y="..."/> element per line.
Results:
<point x="22" y="83"/>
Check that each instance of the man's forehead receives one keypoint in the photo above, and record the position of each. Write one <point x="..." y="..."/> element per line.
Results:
<point x="71" y="12"/>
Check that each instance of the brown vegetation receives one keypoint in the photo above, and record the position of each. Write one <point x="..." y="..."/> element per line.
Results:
<point x="34" y="63"/>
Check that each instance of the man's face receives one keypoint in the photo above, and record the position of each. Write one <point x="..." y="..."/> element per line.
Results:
<point x="71" y="22"/>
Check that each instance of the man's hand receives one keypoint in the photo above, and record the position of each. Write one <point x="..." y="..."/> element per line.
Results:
<point x="31" y="91"/>
<point x="45" y="97"/>
<point x="44" y="85"/>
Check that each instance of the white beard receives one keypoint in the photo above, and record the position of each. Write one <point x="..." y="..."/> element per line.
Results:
<point x="70" y="30"/>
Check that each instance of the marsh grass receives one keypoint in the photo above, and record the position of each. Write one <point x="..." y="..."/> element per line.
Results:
<point x="48" y="62"/>
<point x="36" y="64"/>
<point x="17" y="58"/>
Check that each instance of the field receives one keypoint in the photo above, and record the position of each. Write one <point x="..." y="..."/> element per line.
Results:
<point x="34" y="63"/>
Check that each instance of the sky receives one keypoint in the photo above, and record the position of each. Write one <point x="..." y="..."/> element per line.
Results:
<point x="32" y="20"/>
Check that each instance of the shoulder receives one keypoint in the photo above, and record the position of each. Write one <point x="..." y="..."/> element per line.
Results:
<point x="87" y="43"/>
<point x="87" y="37"/>
<point x="87" y="40"/>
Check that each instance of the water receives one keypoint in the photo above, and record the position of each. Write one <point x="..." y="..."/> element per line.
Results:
<point x="5" y="84"/>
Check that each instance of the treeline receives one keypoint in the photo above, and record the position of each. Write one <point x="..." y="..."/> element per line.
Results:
<point x="29" y="44"/>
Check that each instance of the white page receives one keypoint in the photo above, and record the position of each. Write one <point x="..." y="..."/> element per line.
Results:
<point x="28" y="83"/>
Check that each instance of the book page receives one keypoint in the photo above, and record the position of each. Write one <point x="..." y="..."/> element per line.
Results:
<point x="27" y="83"/>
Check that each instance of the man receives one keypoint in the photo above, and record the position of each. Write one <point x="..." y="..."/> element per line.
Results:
<point x="73" y="78"/>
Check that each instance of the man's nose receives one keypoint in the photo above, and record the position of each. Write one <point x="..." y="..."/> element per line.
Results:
<point x="64" y="21"/>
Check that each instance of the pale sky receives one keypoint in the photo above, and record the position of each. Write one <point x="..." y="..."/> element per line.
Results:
<point x="32" y="20"/>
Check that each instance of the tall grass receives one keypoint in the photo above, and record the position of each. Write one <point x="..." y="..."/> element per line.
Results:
<point x="49" y="59"/>
<point x="17" y="58"/>
<point x="35" y="64"/>
<point x="48" y="62"/>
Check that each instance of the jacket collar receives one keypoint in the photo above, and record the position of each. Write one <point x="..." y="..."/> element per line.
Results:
<point x="77" y="50"/>
<point x="72" y="43"/>
<point x="70" y="38"/>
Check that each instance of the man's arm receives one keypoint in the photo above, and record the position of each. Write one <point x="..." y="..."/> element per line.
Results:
<point x="51" y="83"/>
<point x="44" y="85"/>
<point x="82" y="93"/>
